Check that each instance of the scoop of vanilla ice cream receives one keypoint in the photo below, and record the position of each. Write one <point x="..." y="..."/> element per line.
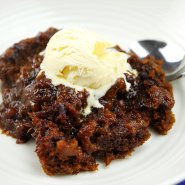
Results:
<point x="81" y="59"/>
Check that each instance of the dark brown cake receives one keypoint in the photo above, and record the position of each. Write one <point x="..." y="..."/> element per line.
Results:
<point x="67" y="141"/>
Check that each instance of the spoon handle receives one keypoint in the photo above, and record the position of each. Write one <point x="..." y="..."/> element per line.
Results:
<point x="179" y="74"/>
<point x="175" y="77"/>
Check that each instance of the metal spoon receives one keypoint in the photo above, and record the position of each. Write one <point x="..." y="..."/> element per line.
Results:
<point x="172" y="55"/>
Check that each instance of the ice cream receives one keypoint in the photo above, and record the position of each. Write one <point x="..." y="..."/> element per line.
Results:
<point x="81" y="59"/>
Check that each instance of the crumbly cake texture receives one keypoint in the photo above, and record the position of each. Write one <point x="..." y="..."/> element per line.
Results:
<point x="66" y="141"/>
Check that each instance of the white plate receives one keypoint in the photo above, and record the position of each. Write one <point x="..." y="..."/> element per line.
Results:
<point x="161" y="159"/>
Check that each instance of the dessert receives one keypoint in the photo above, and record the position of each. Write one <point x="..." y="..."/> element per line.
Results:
<point x="81" y="98"/>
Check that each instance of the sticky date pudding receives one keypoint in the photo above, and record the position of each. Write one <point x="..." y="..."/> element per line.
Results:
<point x="67" y="140"/>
